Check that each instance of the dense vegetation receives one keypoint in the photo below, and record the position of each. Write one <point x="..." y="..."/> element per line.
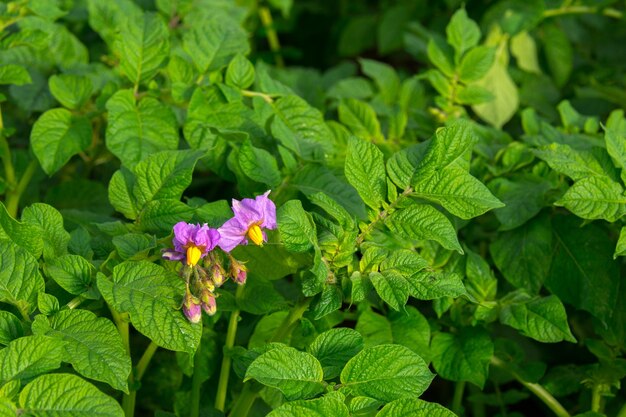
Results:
<point x="342" y="208"/>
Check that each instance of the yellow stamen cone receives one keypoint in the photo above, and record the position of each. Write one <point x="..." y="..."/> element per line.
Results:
<point x="255" y="234"/>
<point x="193" y="255"/>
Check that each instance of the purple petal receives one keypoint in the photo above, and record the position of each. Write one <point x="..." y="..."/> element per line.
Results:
<point x="268" y="210"/>
<point x="232" y="233"/>
<point x="183" y="232"/>
<point x="247" y="211"/>
<point x="206" y="237"/>
<point x="172" y="255"/>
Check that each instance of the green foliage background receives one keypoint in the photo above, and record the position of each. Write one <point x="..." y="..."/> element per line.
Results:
<point x="450" y="182"/>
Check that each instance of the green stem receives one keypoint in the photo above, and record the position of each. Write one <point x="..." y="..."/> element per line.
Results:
<point x="128" y="401"/>
<point x="382" y="216"/>
<point x="609" y="11"/>
<point x="622" y="411"/>
<point x="74" y="302"/>
<point x="294" y="315"/>
<point x="247" y="93"/>
<point x="196" y="383"/>
<point x="597" y="399"/>
<point x="13" y="196"/>
<point x="144" y="361"/>
<point x="272" y="37"/>
<point x="457" y="400"/>
<point x="248" y="395"/>
<point x="541" y="393"/>
<point x="222" y="385"/>
<point x="478" y="407"/>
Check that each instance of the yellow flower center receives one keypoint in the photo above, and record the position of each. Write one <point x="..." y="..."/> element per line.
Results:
<point x="193" y="255"/>
<point x="255" y="234"/>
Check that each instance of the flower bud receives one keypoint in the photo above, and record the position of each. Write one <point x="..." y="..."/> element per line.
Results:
<point x="208" y="302"/>
<point x="238" y="271"/>
<point x="191" y="308"/>
<point x="217" y="274"/>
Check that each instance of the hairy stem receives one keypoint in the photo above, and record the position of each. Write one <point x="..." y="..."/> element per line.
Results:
<point x="196" y="383"/>
<point x="123" y="327"/>
<point x="565" y="10"/>
<point x="222" y="385"/>
<point x="267" y="97"/>
<point x="457" y="400"/>
<point x="272" y="37"/>
<point x="144" y="361"/>
<point x="74" y="302"/>
<point x="382" y="216"/>
<point x="541" y="393"/>
<point x="14" y="196"/>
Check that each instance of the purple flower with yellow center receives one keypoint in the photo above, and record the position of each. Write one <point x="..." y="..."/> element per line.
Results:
<point x="191" y="242"/>
<point x="251" y="217"/>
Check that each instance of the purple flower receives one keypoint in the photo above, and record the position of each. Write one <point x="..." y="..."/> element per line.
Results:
<point x="238" y="271"/>
<point x="251" y="216"/>
<point x="191" y="241"/>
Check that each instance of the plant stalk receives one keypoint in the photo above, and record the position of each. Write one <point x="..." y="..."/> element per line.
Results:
<point x="14" y="196"/>
<point x="222" y="385"/>
<point x="608" y="12"/>
<point x="457" y="400"/>
<point x="196" y="384"/>
<point x="382" y="216"/>
<point x="272" y="37"/>
<point x="541" y="393"/>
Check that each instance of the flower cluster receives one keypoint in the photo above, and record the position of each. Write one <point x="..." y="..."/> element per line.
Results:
<point x="195" y="243"/>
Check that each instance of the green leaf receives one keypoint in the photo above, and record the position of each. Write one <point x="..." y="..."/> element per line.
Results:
<point x="57" y="136"/>
<point x="20" y="280"/>
<point x="121" y="193"/>
<point x="413" y="407"/>
<point x="93" y="345"/>
<point x="441" y="55"/>
<point x="297" y="230"/>
<point x="576" y="164"/>
<point x="64" y="394"/>
<point x="582" y="269"/>
<point x="55" y="237"/>
<point x="158" y="216"/>
<point x="259" y="165"/>
<point x="523" y="196"/>
<point x="620" y="249"/>
<point x="448" y="147"/>
<point x="391" y="287"/>
<point x="333" y="208"/>
<point x="47" y="304"/>
<point x="164" y="175"/>
<point x="462" y="32"/>
<point x="260" y="297"/>
<point x="386" y="373"/>
<point x="301" y="128"/>
<point x="134" y="246"/>
<point x="143" y="45"/>
<point x="365" y="171"/>
<point x="138" y="128"/>
<point x="319" y="179"/>
<point x="411" y="329"/>
<point x="240" y="72"/>
<point x="616" y="146"/>
<point x="523" y="255"/>
<point x="298" y="375"/>
<point x="498" y="82"/>
<point x="543" y="319"/>
<point x="29" y="356"/>
<point x="351" y="87"/>
<point x="473" y="94"/>
<point x="385" y="78"/>
<point x="422" y="221"/>
<point x="428" y="285"/>
<point x="151" y="295"/>
<point x="14" y="74"/>
<point x="524" y="49"/>
<point x="402" y="165"/>
<point x="10" y="327"/>
<point x="463" y="356"/>
<point x="334" y="348"/>
<point x="213" y="44"/>
<point x="559" y="53"/>
<point x="73" y="273"/>
<point x="25" y="235"/>
<point x="480" y="282"/>
<point x="457" y="191"/>
<point x="319" y="407"/>
<point x="595" y="198"/>
<point x="476" y="63"/>
<point x="375" y="329"/>
<point x="360" y="118"/>
<point x="72" y="91"/>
